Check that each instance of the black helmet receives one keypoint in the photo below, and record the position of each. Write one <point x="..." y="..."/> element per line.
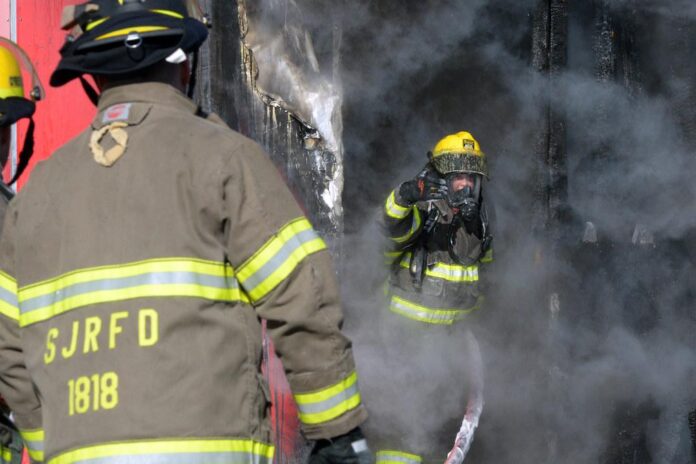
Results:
<point x="121" y="37"/>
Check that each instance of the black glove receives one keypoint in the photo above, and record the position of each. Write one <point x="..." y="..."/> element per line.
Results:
<point x="428" y="185"/>
<point x="350" y="448"/>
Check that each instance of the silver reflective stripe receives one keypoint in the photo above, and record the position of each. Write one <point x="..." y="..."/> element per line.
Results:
<point x="321" y="406"/>
<point x="265" y="271"/>
<point x="35" y="445"/>
<point x="179" y="458"/>
<point x="152" y="278"/>
<point x="8" y="297"/>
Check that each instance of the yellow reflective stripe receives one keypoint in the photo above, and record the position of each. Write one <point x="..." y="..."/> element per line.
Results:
<point x="278" y="257"/>
<point x="129" y="30"/>
<point x="448" y="272"/>
<point x="488" y="257"/>
<point x="397" y="457"/>
<point x="94" y="24"/>
<point x="415" y="225"/>
<point x="164" y="277"/>
<point x="393" y="209"/>
<point x="179" y="451"/>
<point x="329" y="403"/>
<point x="34" y="441"/>
<point x="422" y="313"/>
<point x="9" y="307"/>
<point x="6" y="455"/>
<point x="171" y="13"/>
<point x="391" y="256"/>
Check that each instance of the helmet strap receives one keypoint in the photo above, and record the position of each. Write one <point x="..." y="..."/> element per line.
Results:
<point x="26" y="153"/>
<point x="90" y="91"/>
<point x="192" y="79"/>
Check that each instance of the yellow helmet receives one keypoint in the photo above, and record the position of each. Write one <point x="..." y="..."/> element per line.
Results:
<point x="459" y="152"/>
<point x="10" y="75"/>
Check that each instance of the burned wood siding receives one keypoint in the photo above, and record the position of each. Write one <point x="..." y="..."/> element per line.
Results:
<point x="227" y="87"/>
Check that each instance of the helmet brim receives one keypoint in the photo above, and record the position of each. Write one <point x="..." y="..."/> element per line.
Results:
<point x="12" y="109"/>
<point x="110" y="57"/>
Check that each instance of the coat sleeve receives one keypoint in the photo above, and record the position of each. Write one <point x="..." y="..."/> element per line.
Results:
<point x="401" y="224"/>
<point x="16" y="385"/>
<point x="285" y="269"/>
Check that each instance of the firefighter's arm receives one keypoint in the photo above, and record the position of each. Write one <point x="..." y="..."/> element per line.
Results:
<point x="16" y="386"/>
<point x="284" y="267"/>
<point x="401" y="221"/>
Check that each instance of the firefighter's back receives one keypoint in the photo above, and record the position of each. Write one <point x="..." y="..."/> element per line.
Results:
<point x="134" y="328"/>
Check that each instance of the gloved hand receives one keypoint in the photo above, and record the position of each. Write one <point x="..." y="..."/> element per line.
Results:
<point x="428" y="185"/>
<point x="350" y="448"/>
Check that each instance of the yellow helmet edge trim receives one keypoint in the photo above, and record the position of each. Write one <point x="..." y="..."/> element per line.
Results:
<point x="129" y="30"/>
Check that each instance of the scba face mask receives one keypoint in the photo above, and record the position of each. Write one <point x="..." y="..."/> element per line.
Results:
<point x="464" y="194"/>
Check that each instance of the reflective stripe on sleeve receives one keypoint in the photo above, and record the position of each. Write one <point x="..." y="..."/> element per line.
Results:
<point x="415" y="225"/>
<point x="488" y="257"/>
<point x="430" y="315"/>
<point x="395" y="210"/>
<point x="448" y="272"/>
<point x="171" y="277"/>
<point x="391" y="256"/>
<point x="34" y="441"/>
<point x="278" y="257"/>
<point x="329" y="403"/>
<point x="397" y="457"/>
<point x="8" y="297"/>
<point x="6" y="455"/>
<point x="179" y="451"/>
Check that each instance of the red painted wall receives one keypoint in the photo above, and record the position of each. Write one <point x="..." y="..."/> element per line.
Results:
<point x="65" y="111"/>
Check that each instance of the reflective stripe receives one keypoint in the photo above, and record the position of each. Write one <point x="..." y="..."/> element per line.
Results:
<point x="430" y="315"/>
<point x="278" y="257"/>
<point x="449" y="272"/>
<point x="391" y="256"/>
<point x="130" y="30"/>
<point x="94" y="24"/>
<point x="34" y="441"/>
<point x="8" y="297"/>
<point x="151" y="278"/>
<point x="415" y="225"/>
<point x="325" y="405"/>
<point x="180" y="451"/>
<point x="171" y="13"/>
<point x="6" y="455"/>
<point x="395" y="210"/>
<point x="391" y="457"/>
<point x="488" y="257"/>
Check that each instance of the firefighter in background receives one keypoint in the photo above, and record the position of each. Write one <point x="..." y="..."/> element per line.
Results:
<point x="140" y="259"/>
<point x="13" y="107"/>
<point x="438" y="230"/>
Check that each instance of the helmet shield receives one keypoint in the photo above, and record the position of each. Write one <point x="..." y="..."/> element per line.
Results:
<point x="447" y="163"/>
<point x="11" y="82"/>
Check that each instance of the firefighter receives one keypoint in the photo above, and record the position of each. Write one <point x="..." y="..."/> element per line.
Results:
<point x="438" y="234"/>
<point x="140" y="259"/>
<point x="13" y="107"/>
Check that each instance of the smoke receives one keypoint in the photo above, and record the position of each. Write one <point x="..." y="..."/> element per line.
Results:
<point x="588" y="347"/>
<point x="612" y="370"/>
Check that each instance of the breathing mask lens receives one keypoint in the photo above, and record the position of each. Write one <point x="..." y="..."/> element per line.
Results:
<point x="464" y="194"/>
